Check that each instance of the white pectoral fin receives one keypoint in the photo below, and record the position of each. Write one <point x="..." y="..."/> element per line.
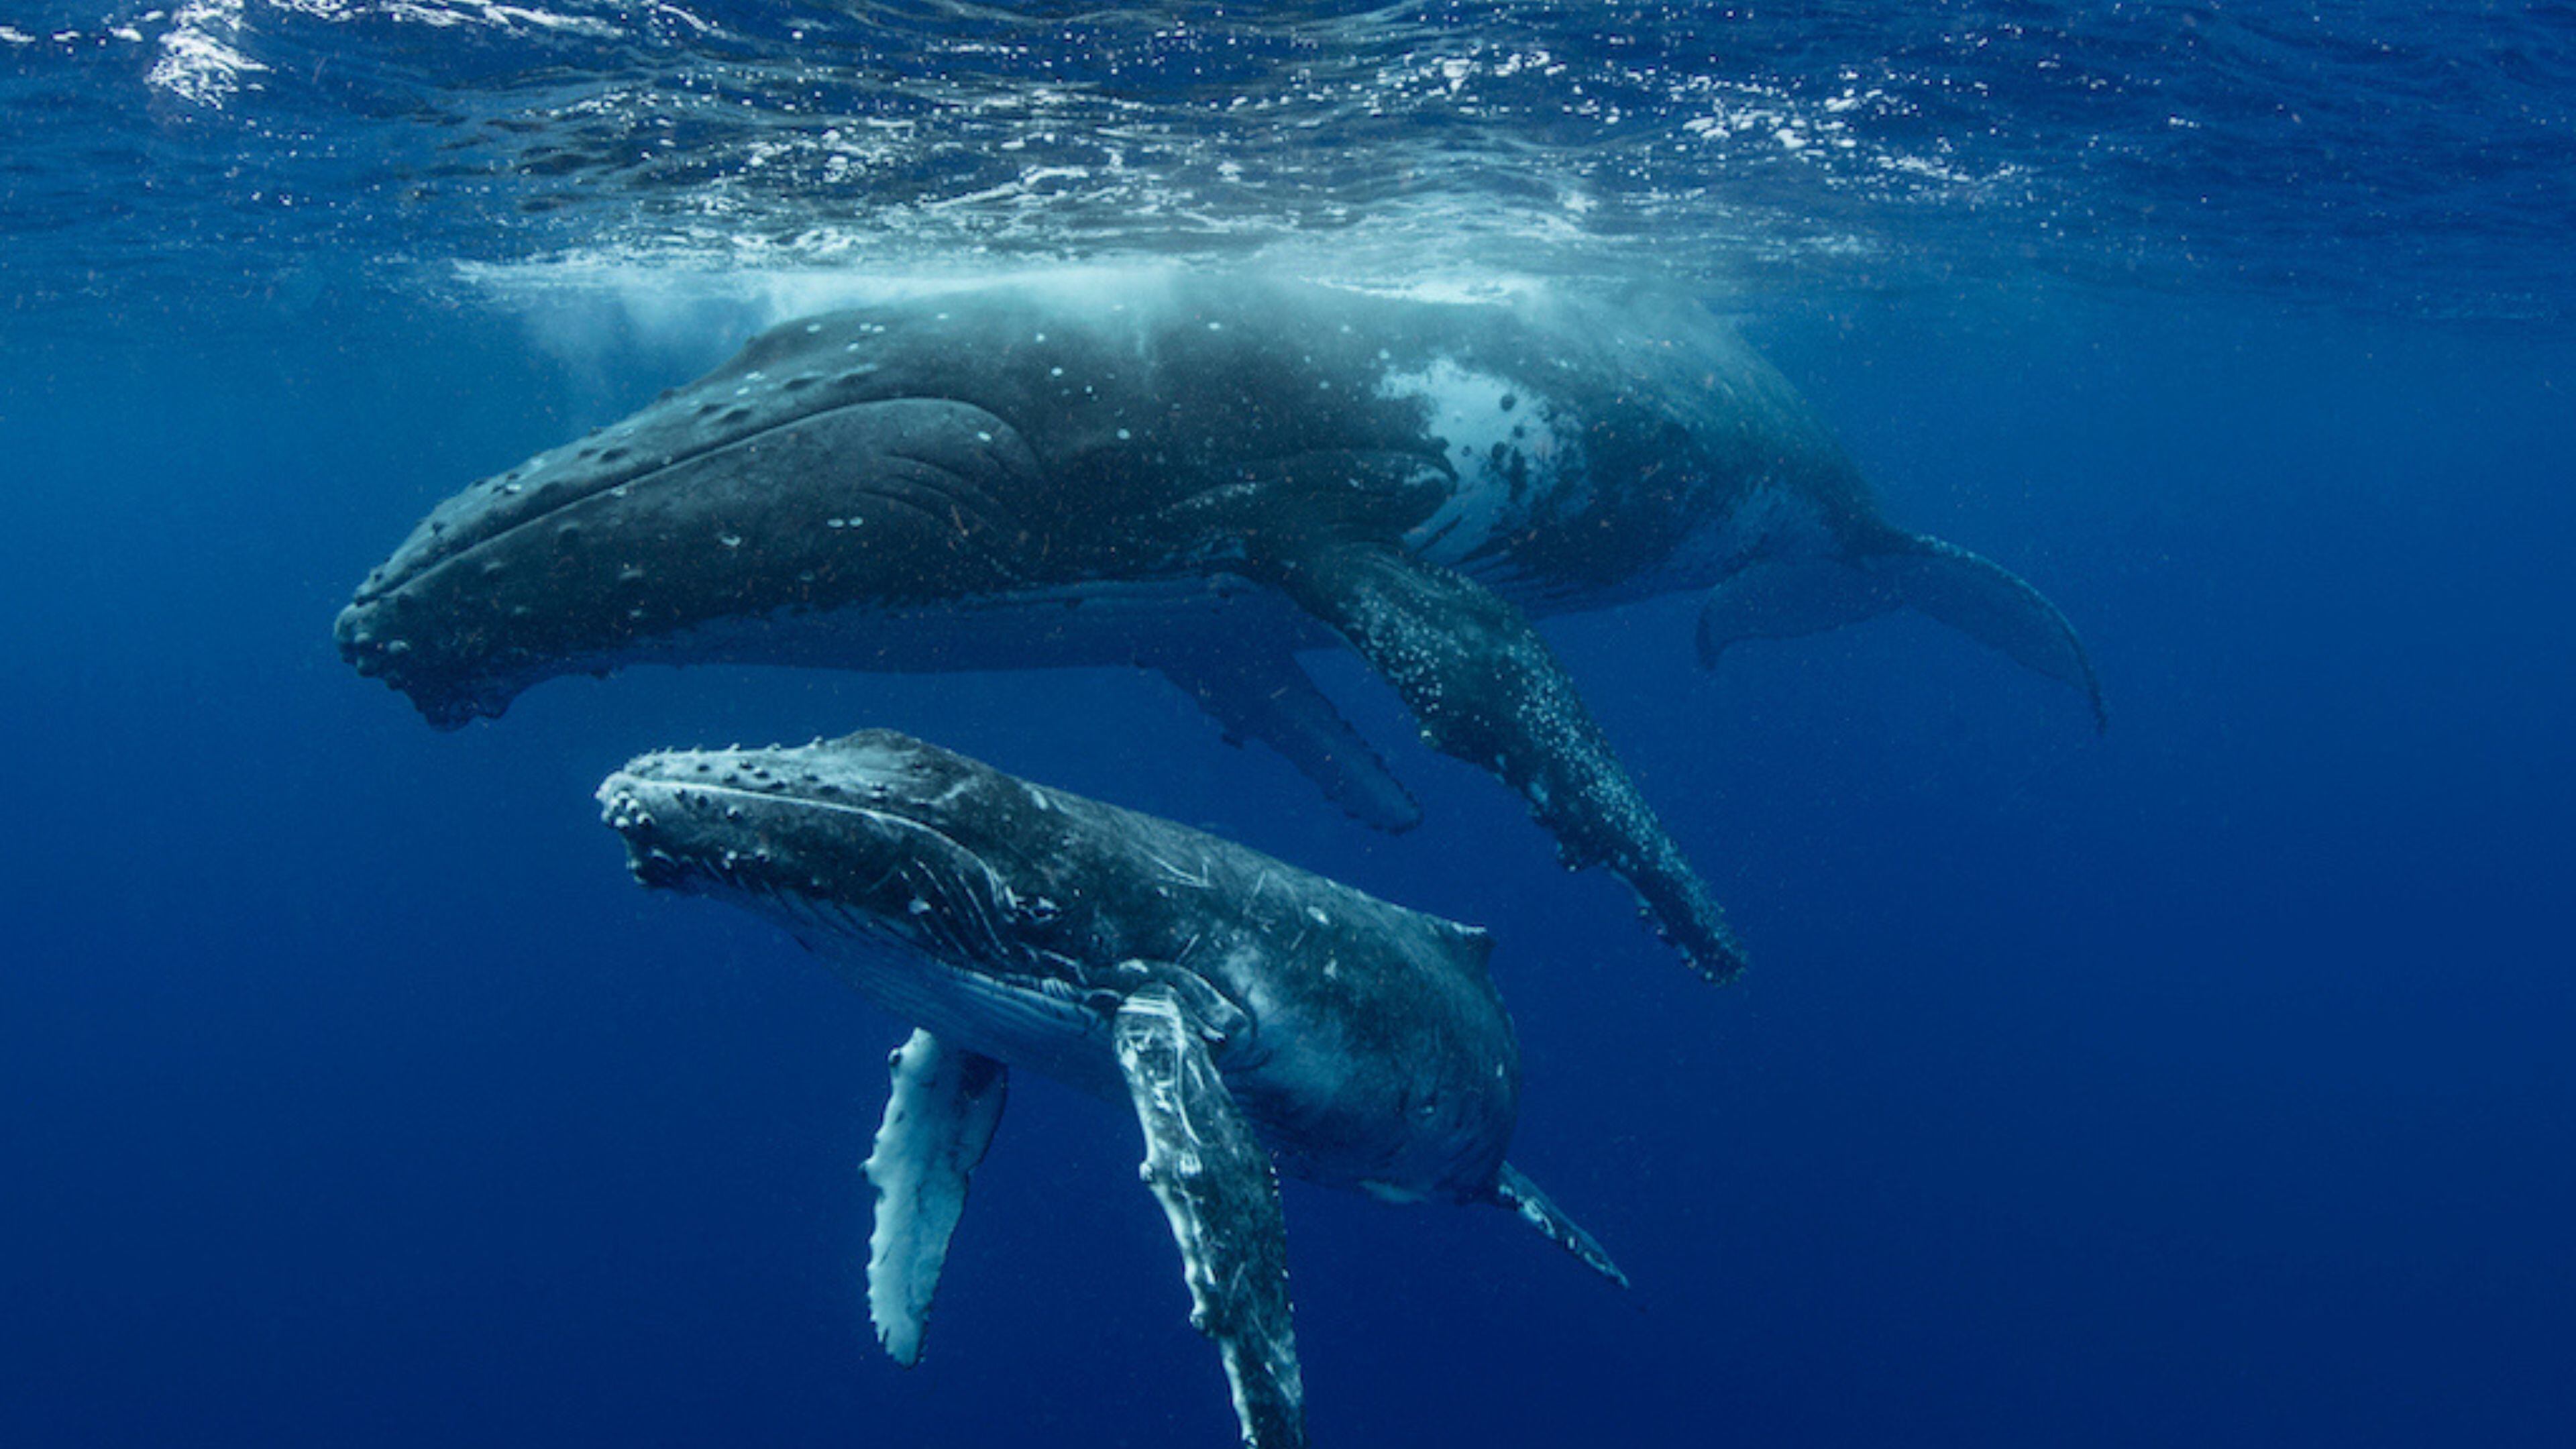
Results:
<point x="1522" y="1196"/>
<point x="1782" y="598"/>
<point x="1217" y="1187"/>
<point x="938" y="1122"/>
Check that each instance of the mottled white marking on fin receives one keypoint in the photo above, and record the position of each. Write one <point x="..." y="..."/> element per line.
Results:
<point x="1522" y="1196"/>
<point x="937" y="1124"/>
<point x="1217" y="1187"/>
<point x="1486" y="689"/>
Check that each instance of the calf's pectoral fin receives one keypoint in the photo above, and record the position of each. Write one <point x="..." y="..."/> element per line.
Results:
<point x="1487" y="690"/>
<point x="1780" y="598"/>
<point x="1262" y="694"/>
<point x="937" y="1125"/>
<point x="1514" y="1191"/>
<point x="1217" y="1187"/>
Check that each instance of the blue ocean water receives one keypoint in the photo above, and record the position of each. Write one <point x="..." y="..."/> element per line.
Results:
<point x="2204" y="1082"/>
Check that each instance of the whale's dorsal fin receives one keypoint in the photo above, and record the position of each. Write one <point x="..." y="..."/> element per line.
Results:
<point x="937" y="1124"/>
<point x="1514" y="1191"/>
<point x="1261" y="693"/>
<point x="1487" y="690"/>
<point x="1217" y="1187"/>
<point x="1782" y="598"/>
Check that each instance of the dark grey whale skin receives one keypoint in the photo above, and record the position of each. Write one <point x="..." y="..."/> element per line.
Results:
<point x="1025" y="442"/>
<point x="1199" y="473"/>
<point x="1251" y="1013"/>
<point x="1365" y="1040"/>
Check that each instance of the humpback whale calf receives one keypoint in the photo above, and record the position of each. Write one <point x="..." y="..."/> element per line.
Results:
<point x="1246" y="1010"/>
<point x="1202" y="474"/>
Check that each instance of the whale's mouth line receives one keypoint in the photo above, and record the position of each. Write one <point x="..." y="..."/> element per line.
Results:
<point x="626" y="781"/>
<point x="625" y="786"/>
<point x="978" y="931"/>
<point x="378" y="590"/>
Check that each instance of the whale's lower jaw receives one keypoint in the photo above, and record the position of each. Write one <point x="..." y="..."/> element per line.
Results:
<point x="1034" y="1023"/>
<point x="1087" y="623"/>
<point x="1099" y="624"/>
<point x="1094" y="623"/>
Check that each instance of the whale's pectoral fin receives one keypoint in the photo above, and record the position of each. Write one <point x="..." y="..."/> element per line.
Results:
<point x="1514" y="1191"/>
<point x="937" y="1124"/>
<point x="1780" y="598"/>
<point x="1486" y="689"/>
<point x="1263" y="694"/>
<point x="1216" y="1184"/>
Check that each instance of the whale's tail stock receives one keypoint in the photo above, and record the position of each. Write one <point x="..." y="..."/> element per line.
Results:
<point x="1779" y="597"/>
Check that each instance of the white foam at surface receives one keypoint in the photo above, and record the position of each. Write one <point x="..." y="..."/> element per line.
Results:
<point x="199" y="61"/>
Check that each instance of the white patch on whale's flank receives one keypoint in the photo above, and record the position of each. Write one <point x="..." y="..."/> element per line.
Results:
<point x="1488" y="427"/>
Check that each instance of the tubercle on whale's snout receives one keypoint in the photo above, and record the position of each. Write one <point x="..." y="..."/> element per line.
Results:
<point x="371" y="645"/>
<point x="720" y="824"/>
<point x="732" y="408"/>
<point x="664" y="825"/>
<point x="765" y="822"/>
<point x="362" y="646"/>
<point x="623" y="809"/>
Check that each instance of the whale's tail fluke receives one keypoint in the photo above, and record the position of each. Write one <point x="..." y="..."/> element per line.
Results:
<point x="1783" y="597"/>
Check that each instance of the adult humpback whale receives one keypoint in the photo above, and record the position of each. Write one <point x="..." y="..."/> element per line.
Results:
<point x="1201" y="474"/>
<point x="1242" y="1007"/>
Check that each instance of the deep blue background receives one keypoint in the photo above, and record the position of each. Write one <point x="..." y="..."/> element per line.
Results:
<point x="2205" y="1083"/>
